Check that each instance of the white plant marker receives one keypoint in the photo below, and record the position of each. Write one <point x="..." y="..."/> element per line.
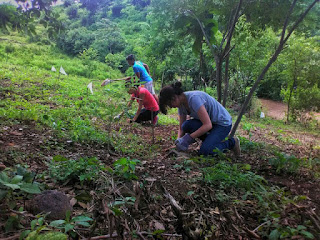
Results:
<point x="53" y="69"/>
<point x="90" y="87"/>
<point x="262" y="115"/>
<point x="62" y="71"/>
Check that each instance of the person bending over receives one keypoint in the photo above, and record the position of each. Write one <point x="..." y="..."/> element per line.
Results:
<point x="143" y="73"/>
<point x="148" y="107"/>
<point x="210" y="121"/>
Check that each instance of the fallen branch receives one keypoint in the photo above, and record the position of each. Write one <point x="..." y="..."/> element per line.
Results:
<point x="17" y="236"/>
<point x="252" y="234"/>
<point x="182" y="224"/>
<point x="114" y="235"/>
<point x="257" y="228"/>
<point x="315" y="222"/>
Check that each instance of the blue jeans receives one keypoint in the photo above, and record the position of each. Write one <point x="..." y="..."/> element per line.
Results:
<point x="214" y="139"/>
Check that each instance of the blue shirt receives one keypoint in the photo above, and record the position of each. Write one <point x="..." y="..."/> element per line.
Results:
<point x="139" y="68"/>
<point x="217" y="113"/>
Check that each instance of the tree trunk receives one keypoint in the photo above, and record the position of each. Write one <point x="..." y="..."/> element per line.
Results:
<point x="291" y="90"/>
<point x="226" y="82"/>
<point x="218" y="76"/>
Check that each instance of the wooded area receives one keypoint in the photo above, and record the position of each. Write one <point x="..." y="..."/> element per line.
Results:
<point x="60" y="130"/>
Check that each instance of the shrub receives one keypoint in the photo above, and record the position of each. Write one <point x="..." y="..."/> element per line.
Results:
<point x="83" y="169"/>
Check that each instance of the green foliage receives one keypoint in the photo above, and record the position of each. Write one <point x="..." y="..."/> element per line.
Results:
<point x="47" y="236"/>
<point x="248" y="145"/>
<point x="238" y="176"/>
<point x="83" y="169"/>
<point x="247" y="127"/>
<point x="301" y="90"/>
<point x="117" y="205"/>
<point x="115" y="60"/>
<point x="125" y="168"/>
<point x="167" y="120"/>
<point x="285" y="163"/>
<point x="88" y="56"/>
<point x="17" y="182"/>
<point x="41" y="230"/>
<point x="68" y="225"/>
<point x="282" y="232"/>
<point x="186" y="166"/>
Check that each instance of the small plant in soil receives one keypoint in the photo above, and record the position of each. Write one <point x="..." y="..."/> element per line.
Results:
<point x="125" y="168"/>
<point x="83" y="169"/>
<point x="285" y="163"/>
<point x="68" y="225"/>
<point x="17" y="183"/>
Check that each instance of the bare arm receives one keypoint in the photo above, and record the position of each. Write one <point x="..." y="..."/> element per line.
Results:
<point x="129" y="103"/>
<point x="182" y="119"/>
<point x="138" y="74"/>
<point x="206" y="123"/>
<point x="146" y="67"/>
<point x="141" y="99"/>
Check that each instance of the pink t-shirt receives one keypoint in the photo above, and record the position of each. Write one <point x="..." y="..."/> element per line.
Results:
<point x="149" y="102"/>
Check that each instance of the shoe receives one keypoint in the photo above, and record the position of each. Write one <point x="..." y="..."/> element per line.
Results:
<point x="236" y="149"/>
<point x="155" y="120"/>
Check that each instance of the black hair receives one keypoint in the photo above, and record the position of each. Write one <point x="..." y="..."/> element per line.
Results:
<point x="132" y="83"/>
<point x="130" y="57"/>
<point x="167" y="94"/>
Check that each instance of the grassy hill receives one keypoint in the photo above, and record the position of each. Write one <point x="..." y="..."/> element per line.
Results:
<point x="126" y="179"/>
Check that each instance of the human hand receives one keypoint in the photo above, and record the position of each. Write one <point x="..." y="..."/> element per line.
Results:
<point x="183" y="143"/>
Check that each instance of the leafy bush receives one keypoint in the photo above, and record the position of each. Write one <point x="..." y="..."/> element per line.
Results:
<point x="18" y="182"/>
<point x="248" y="145"/>
<point x="225" y="176"/>
<point x="285" y="163"/>
<point x="68" y="225"/>
<point x="126" y="168"/>
<point x="83" y="169"/>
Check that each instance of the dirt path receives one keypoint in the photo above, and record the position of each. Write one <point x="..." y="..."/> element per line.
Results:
<point x="276" y="110"/>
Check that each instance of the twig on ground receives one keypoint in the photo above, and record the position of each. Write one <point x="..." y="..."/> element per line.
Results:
<point x="252" y="234"/>
<point x="314" y="220"/>
<point x="257" y="228"/>
<point x="17" y="236"/>
<point x="114" y="235"/>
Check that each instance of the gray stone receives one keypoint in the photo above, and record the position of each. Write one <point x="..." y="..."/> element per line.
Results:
<point x="57" y="203"/>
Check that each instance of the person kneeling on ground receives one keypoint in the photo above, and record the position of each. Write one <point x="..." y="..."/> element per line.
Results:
<point x="210" y="121"/>
<point x="144" y="99"/>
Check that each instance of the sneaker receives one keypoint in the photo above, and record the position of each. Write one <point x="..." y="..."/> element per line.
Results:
<point x="236" y="149"/>
<point x="155" y="120"/>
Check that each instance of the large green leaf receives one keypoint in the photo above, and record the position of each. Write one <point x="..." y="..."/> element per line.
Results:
<point x="85" y="224"/>
<point x="16" y="179"/>
<point x="81" y="219"/>
<point x="12" y="186"/>
<point x="57" y="223"/>
<point x="274" y="235"/>
<point x="3" y="193"/>
<point x="4" y="178"/>
<point x="68" y="227"/>
<point x="30" y="188"/>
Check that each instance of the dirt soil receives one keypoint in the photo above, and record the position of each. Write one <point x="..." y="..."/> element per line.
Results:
<point x="276" y="110"/>
<point x="30" y="144"/>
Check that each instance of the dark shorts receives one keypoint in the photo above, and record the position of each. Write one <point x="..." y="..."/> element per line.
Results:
<point x="146" y="115"/>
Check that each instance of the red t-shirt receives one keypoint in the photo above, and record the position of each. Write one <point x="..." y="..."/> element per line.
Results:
<point x="149" y="102"/>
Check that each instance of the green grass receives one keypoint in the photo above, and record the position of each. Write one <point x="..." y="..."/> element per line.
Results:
<point x="30" y="91"/>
